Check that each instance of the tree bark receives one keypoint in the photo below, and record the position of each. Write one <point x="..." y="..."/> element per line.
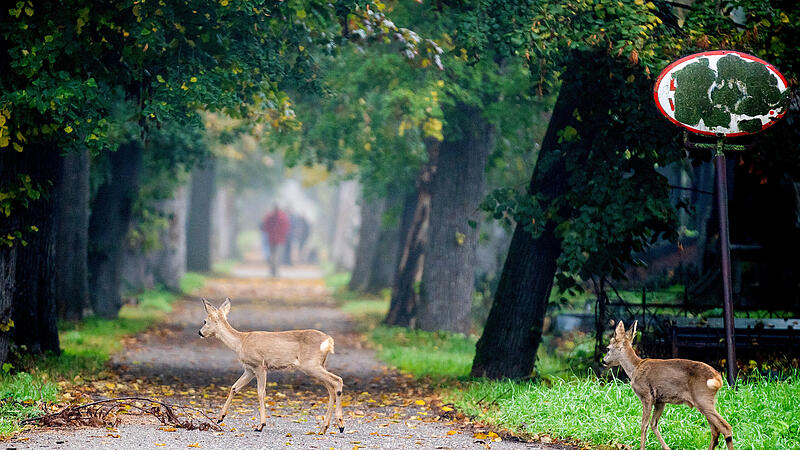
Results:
<point x="513" y="330"/>
<point x="27" y="272"/>
<point x="403" y="306"/>
<point x="386" y="258"/>
<point x="8" y="265"/>
<point x="223" y="224"/>
<point x="368" y="236"/>
<point x="198" y="224"/>
<point x="448" y="275"/>
<point x="166" y="264"/>
<point x="72" y="225"/>
<point x="342" y="243"/>
<point x="108" y="225"/>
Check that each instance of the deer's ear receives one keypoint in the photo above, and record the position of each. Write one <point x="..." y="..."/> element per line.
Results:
<point x="632" y="332"/>
<point x="208" y="306"/>
<point x="225" y="308"/>
<point x="620" y="331"/>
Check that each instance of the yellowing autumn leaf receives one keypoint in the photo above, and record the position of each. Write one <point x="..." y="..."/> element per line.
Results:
<point x="479" y="436"/>
<point x="195" y="445"/>
<point x="446" y="408"/>
<point x="451" y="432"/>
<point x="492" y="434"/>
<point x="420" y="402"/>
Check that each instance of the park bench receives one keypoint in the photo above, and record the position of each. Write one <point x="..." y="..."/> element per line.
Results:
<point x="762" y="334"/>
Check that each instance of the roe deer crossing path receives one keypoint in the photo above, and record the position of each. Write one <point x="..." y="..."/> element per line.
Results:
<point x="383" y="409"/>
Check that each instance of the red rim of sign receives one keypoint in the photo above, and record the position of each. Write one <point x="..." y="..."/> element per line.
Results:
<point x="667" y="69"/>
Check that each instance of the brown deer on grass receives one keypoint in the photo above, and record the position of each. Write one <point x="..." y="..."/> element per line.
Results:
<point x="660" y="381"/>
<point x="260" y="351"/>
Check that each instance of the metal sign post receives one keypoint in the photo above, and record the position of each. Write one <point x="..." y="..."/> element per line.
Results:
<point x="714" y="94"/>
<point x="720" y="165"/>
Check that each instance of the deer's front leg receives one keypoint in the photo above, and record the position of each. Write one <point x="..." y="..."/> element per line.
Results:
<point x="261" y="380"/>
<point x="237" y="386"/>
<point x="647" y="407"/>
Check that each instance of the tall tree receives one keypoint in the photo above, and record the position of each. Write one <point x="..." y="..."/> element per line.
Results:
<point x="448" y="275"/>
<point x="198" y="224"/>
<point x="368" y="235"/>
<point x="72" y="224"/>
<point x="109" y="222"/>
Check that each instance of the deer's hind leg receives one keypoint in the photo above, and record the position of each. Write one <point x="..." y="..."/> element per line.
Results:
<point x="237" y="386"/>
<point x="657" y="410"/>
<point x="333" y="384"/>
<point x="718" y="426"/>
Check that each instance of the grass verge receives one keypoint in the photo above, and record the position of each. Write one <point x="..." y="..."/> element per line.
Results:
<point x="596" y="412"/>
<point x="86" y="348"/>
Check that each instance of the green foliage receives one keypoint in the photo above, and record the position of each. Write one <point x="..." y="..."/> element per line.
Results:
<point x="69" y="64"/>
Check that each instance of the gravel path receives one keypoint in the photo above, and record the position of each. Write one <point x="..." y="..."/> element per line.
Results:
<point x="383" y="409"/>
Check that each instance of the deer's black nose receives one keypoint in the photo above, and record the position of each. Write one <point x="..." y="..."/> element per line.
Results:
<point x="200" y="333"/>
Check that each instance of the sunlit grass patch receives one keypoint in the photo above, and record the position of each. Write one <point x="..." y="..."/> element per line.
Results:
<point x="192" y="281"/>
<point x="224" y="267"/>
<point x="366" y="312"/>
<point x="437" y="355"/>
<point x="337" y="280"/>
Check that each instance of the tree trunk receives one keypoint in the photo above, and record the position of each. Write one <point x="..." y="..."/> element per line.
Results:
<point x="403" y="306"/>
<point x="343" y="237"/>
<point x="368" y="235"/>
<point x="198" y="225"/>
<point x="171" y="266"/>
<point x="8" y="265"/>
<point x="386" y="258"/>
<point x="448" y="276"/>
<point x="27" y="272"/>
<point x="72" y="219"/>
<point x="224" y="224"/>
<point x="513" y="331"/>
<point x="108" y="225"/>
<point x="165" y="265"/>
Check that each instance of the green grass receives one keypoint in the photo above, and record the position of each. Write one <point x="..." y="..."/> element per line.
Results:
<point x="593" y="411"/>
<point x="20" y="394"/>
<point x="435" y="355"/>
<point x="762" y="413"/>
<point x="224" y="267"/>
<point x="86" y="348"/>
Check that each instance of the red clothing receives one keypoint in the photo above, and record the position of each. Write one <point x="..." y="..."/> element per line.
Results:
<point x="276" y="225"/>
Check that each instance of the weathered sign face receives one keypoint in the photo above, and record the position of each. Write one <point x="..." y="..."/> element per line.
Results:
<point x="721" y="93"/>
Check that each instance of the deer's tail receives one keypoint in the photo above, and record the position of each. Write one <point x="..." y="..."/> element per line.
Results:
<point x="714" y="383"/>
<point x="327" y="345"/>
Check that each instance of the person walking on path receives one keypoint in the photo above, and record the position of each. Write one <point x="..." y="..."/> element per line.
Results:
<point x="276" y="225"/>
